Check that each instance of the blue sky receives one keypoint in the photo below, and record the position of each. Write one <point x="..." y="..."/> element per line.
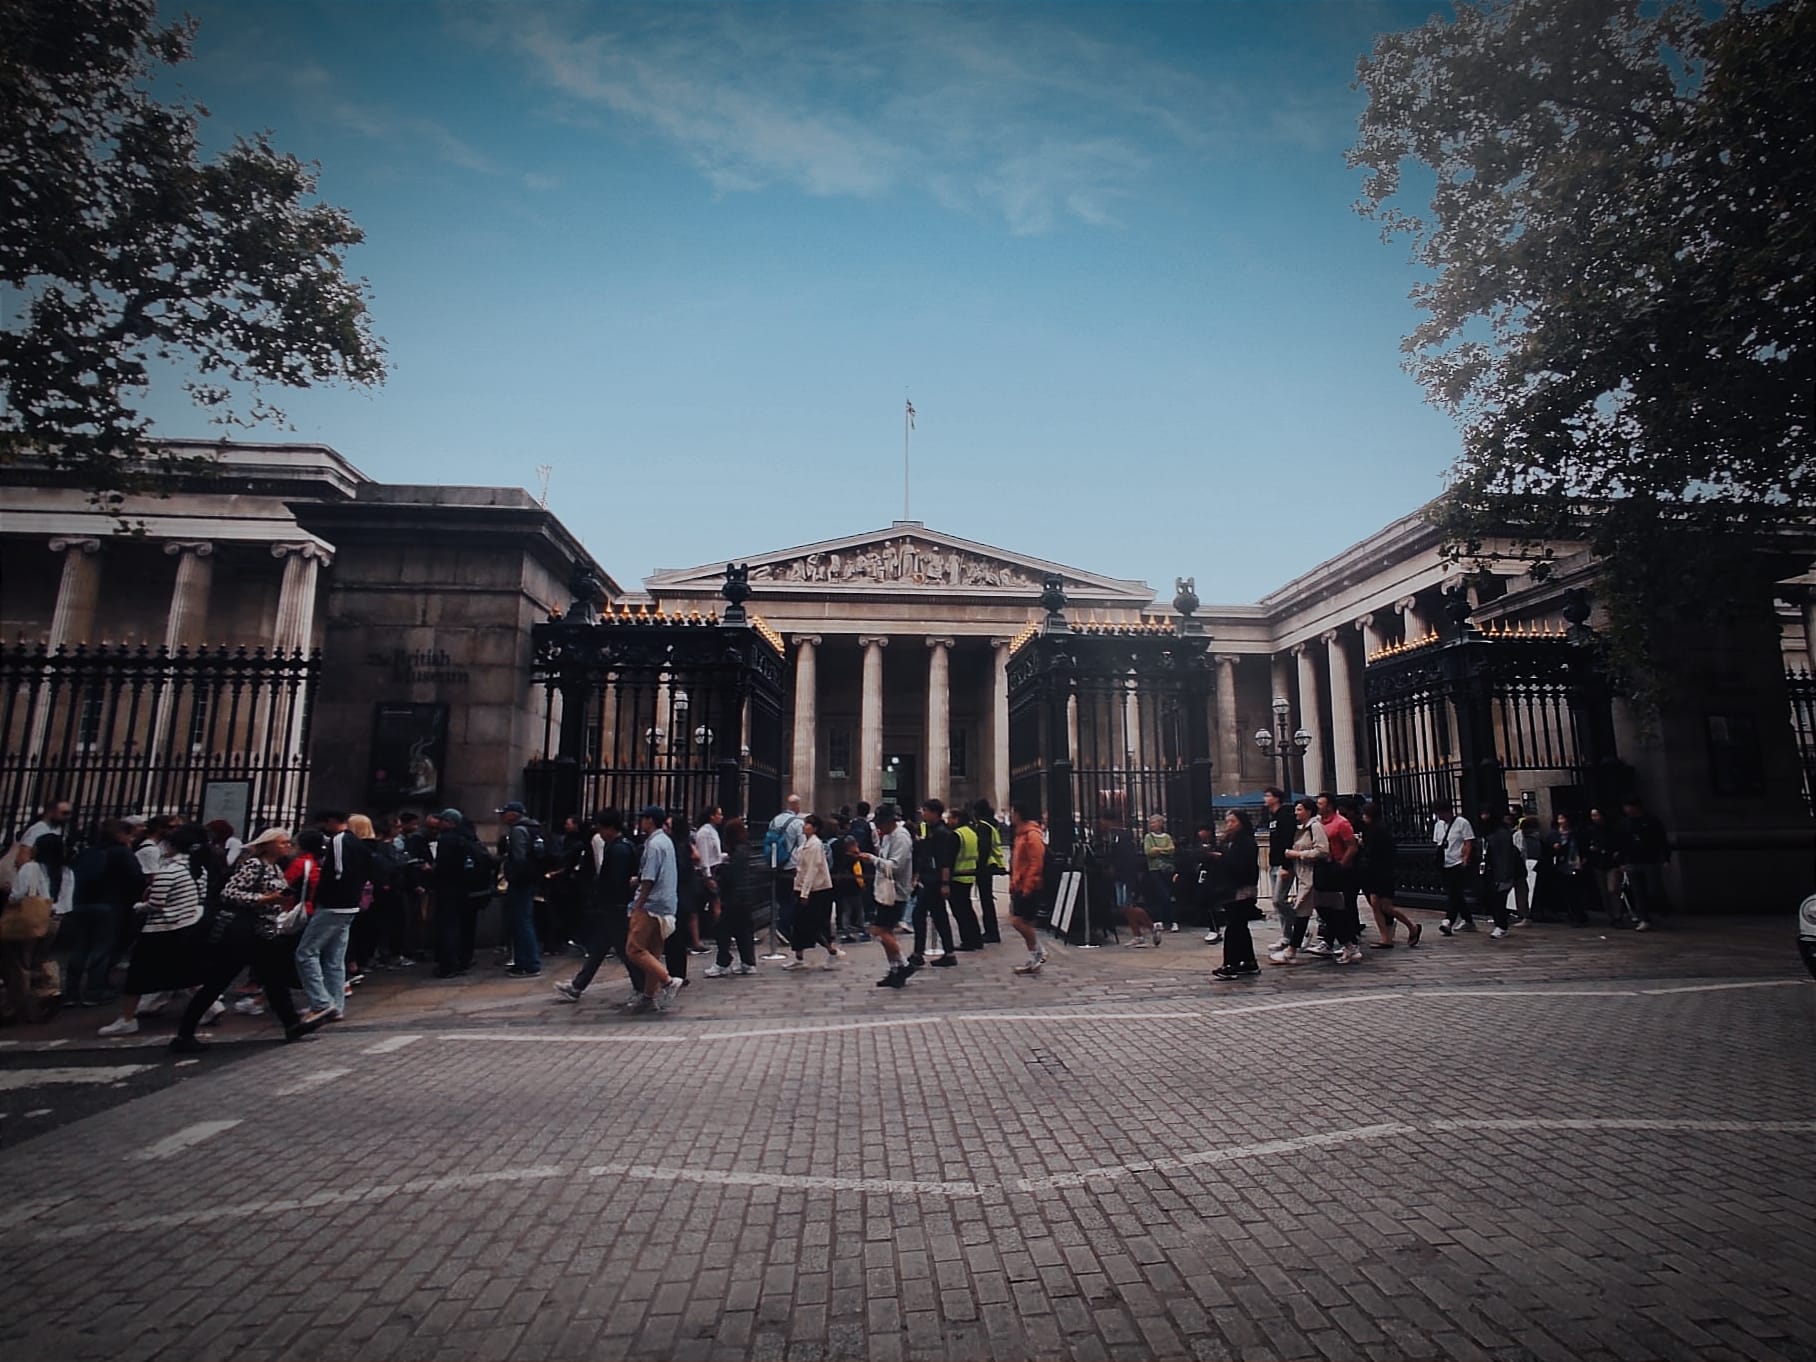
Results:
<point x="692" y="256"/>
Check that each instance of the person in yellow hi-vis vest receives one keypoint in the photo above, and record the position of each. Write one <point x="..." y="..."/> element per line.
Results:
<point x="992" y="864"/>
<point x="964" y="879"/>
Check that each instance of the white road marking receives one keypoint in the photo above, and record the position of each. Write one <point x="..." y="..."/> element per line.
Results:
<point x="390" y="1045"/>
<point x="309" y="1082"/>
<point x="186" y="1138"/>
<point x="1628" y="1123"/>
<point x="11" y="1079"/>
<point x="1230" y="1154"/>
<point x="1718" y="988"/>
<point x="40" y="1111"/>
<point x="577" y="1038"/>
<point x="795" y="1181"/>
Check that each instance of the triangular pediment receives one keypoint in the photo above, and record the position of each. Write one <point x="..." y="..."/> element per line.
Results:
<point x="906" y="557"/>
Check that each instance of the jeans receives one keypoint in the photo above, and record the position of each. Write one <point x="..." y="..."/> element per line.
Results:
<point x="1283" y="900"/>
<point x="930" y="903"/>
<point x="87" y="934"/>
<point x="520" y="920"/>
<point x="321" y="960"/>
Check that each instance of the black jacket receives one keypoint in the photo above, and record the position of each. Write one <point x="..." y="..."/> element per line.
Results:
<point x="1241" y="861"/>
<point x="343" y="888"/>
<point x="1281" y="829"/>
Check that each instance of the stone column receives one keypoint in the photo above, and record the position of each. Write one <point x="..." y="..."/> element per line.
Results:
<point x="1342" y="713"/>
<point x="939" y="718"/>
<point x="1313" y="760"/>
<point x="296" y="598"/>
<point x="870" y="727"/>
<point x="1416" y="626"/>
<point x="999" y="726"/>
<point x="1372" y="639"/>
<point x="1072" y="728"/>
<point x="1229" y="741"/>
<point x="186" y="623"/>
<point x="806" y="717"/>
<point x="73" y="618"/>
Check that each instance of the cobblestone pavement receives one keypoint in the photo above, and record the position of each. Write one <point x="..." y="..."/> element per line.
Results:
<point x="1552" y="1147"/>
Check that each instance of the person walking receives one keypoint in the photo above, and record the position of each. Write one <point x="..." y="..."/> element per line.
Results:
<point x="1340" y="926"/>
<point x="653" y="911"/>
<point x="935" y="853"/>
<point x="1605" y="851"/>
<point x="607" y="914"/>
<point x="1647" y="851"/>
<point x="1238" y="857"/>
<point x="1455" y="842"/>
<point x="1201" y="880"/>
<point x="40" y="873"/>
<point x="108" y="882"/>
<point x="1276" y="868"/>
<point x="1501" y="868"/>
<point x="813" y="889"/>
<point x="522" y="855"/>
<point x="1570" y="872"/>
<point x="249" y="933"/>
<point x="1027" y="884"/>
<point x="742" y="882"/>
<point x="964" y="879"/>
<point x="781" y="844"/>
<point x="164" y="956"/>
<point x="891" y="883"/>
<point x="991" y="866"/>
<point x="1312" y="890"/>
<point x="344" y="888"/>
<point x="1379" y="882"/>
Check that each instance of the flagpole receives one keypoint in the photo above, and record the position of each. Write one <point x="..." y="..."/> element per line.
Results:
<point x="907" y="425"/>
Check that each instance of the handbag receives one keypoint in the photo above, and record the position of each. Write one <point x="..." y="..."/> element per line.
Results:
<point x="292" y="920"/>
<point x="26" y="919"/>
<point x="1327" y="876"/>
<point x="886" y="893"/>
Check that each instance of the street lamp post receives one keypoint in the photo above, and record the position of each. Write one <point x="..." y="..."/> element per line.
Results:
<point x="1280" y="742"/>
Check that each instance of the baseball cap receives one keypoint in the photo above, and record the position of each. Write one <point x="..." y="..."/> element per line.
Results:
<point x="451" y="816"/>
<point x="515" y="806"/>
<point x="653" y="811"/>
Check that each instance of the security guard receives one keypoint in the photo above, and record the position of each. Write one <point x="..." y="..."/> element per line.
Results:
<point x="991" y="862"/>
<point x="964" y="879"/>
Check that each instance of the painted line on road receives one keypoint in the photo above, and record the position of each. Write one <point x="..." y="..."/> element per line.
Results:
<point x="578" y="1038"/>
<point x="792" y="1181"/>
<point x="390" y="1045"/>
<point x="1230" y="1154"/>
<point x="186" y="1138"/>
<point x="11" y="1079"/>
<point x="1636" y="1123"/>
<point x="309" y="1082"/>
<point x="1720" y="988"/>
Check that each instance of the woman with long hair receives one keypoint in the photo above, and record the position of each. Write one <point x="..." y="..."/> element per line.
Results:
<point x="740" y="877"/>
<point x="1378" y="881"/>
<point x="45" y="875"/>
<point x="813" y="886"/>
<point x="1310" y="848"/>
<point x="1238" y="857"/>
<point x="164" y="957"/>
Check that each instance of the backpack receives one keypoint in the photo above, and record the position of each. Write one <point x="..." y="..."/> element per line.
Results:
<point x="775" y="839"/>
<point x="481" y="869"/>
<point x="538" y="857"/>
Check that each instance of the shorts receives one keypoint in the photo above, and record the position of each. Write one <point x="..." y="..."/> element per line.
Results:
<point x="1026" y="907"/>
<point x="882" y="914"/>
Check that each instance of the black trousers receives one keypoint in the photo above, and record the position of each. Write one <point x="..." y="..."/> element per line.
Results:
<point x="1495" y="901"/>
<point x="970" y="935"/>
<point x="930" y="903"/>
<point x="986" y="906"/>
<point x="268" y="959"/>
<point x="605" y="930"/>
<point x="1456" y="893"/>
<point x="813" y="922"/>
<point x="1238" y="945"/>
<point x="735" y="928"/>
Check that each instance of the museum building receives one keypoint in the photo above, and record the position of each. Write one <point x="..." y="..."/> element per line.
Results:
<point x="280" y="631"/>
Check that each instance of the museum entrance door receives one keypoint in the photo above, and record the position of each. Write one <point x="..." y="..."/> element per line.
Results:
<point x="902" y="781"/>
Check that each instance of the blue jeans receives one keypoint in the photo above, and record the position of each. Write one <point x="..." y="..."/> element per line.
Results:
<point x="520" y="916"/>
<point x="87" y="933"/>
<point x="321" y="960"/>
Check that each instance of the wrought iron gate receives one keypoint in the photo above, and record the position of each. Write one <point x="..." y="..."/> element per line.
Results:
<point x="1477" y="720"/>
<point x="1801" y="687"/>
<point x="123" y="730"/>
<point x="642" y="707"/>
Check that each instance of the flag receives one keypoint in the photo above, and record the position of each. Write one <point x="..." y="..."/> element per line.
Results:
<point x="910" y="416"/>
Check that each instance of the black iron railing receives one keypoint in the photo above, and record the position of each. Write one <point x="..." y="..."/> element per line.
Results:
<point x="1801" y="686"/>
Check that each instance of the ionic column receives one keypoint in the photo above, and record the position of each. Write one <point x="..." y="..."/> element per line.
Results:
<point x="1342" y="713"/>
<point x="939" y="718"/>
<point x="806" y="716"/>
<point x="1229" y="741"/>
<point x="999" y="726"/>
<point x="1308" y="717"/>
<point x="1372" y="640"/>
<point x="185" y="623"/>
<point x="1416" y="627"/>
<point x="870" y="726"/>
<point x="296" y="598"/>
<point x="73" y="618"/>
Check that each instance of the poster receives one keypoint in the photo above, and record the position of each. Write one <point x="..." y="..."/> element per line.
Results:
<point x="230" y="800"/>
<point x="409" y="751"/>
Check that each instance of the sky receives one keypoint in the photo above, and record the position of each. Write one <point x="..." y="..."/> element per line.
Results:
<point x="695" y="258"/>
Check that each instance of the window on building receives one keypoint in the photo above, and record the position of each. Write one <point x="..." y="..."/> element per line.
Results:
<point x="198" y="723"/>
<point x="961" y="753"/>
<point x="88" y="726"/>
<point x="838" y="753"/>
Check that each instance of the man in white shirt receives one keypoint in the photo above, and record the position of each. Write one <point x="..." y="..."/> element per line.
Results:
<point x="1456" y="841"/>
<point x="709" y="853"/>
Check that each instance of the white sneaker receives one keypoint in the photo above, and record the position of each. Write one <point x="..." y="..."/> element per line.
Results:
<point x="1351" y="954"/>
<point x="152" y="1005"/>
<point x="716" y="972"/>
<point x="1642" y="926"/>
<point x="1498" y="933"/>
<point x="1212" y="938"/>
<point x="249" y="1007"/>
<point x="216" y="1010"/>
<point x="741" y="968"/>
<point x="1284" y="956"/>
<point x="1319" y="948"/>
<point x="668" y="993"/>
<point x="1280" y="945"/>
<point x="794" y="964"/>
<point x="639" y="1002"/>
<point x="120" y="1026"/>
<point x="1156" y="934"/>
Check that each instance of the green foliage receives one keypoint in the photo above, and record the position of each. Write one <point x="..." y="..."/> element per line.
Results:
<point x="128" y="247"/>
<point x="1620" y="311"/>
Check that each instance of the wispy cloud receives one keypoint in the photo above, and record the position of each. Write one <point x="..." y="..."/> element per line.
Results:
<point x="997" y="111"/>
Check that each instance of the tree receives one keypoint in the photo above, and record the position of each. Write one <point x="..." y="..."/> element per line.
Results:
<point x="127" y="246"/>
<point x="1621" y="246"/>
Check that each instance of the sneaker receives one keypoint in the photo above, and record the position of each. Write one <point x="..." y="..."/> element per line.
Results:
<point x="1412" y="937"/>
<point x="666" y="995"/>
<point x="1380" y="945"/>
<point x="1468" y="926"/>
<point x="896" y="978"/>
<point x="639" y="1002"/>
<point x="717" y="972"/>
<point x="347" y="989"/>
<point x="1280" y="945"/>
<point x="701" y="950"/>
<point x="1320" y="948"/>
<point x="1212" y="938"/>
<point x="741" y="968"/>
<point x="945" y="962"/>
<point x="1031" y="966"/>
<point x="1642" y="926"/>
<point x="1231" y="972"/>
<point x="403" y="962"/>
<point x="1156" y="933"/>
<point x="1353" y="953"/>
<point x="514" y="973"/>
<point x="567" y="992"/>
<point x="1284" y="956"/>
<point x="120" y="1026"/>
<point x="353" y="979"/>
<point x="216" y="1010"/>
<point x="1446" y="928"/>
<point x="794" y="964"/>
<point x="152" y="1005"/>
<point x="1498" y="933"/>
<point x="186" y="1045"/>
<point x="249" y="1007"/>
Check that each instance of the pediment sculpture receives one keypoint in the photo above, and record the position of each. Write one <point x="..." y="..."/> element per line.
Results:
<point x="904" y="561"/>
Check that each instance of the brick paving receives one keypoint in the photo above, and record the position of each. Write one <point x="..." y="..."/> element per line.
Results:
<point x="1552" y="1147"/>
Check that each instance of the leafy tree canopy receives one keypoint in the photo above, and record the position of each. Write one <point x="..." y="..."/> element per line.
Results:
<point x="1621" y="246"/>
<point x="126" y="246"/>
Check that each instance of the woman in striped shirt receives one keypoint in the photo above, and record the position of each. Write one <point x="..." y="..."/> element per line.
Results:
<point x="164" y="955"/>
